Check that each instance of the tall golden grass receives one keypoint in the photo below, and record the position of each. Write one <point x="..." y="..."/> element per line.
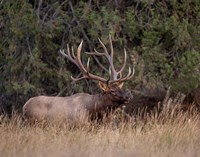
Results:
<point x="169" y="133"/>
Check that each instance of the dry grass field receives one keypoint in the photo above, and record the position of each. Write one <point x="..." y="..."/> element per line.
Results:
<point x="169" y="134"/>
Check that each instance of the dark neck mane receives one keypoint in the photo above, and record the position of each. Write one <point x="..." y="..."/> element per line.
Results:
<point x="100" y="105"/>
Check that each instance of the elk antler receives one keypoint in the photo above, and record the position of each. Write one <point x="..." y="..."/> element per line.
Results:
<point x="115" y="76"/>
<point x="77" y="61"/>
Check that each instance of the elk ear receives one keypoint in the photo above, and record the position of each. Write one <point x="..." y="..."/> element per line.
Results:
<point x="120" y="84"/>
<point x="103" y="86"/>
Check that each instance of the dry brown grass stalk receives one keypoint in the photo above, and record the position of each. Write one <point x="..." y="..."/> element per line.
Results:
<point x="169" y="133"/>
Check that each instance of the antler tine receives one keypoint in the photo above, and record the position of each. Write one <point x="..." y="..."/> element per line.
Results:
<point x="104" y="47"/>
<point x="73" y="55"/>
<point x="88" y="64"/>
<point x="78" y="78"/>
<point x="68" y="55"/>
<point x="113" y="71"/>
<point x="69" y="52"/>
<point x="127" y="77"/>
<point x="77" y="61"/>
<point x="78" y="57"/>
<point x="96" y="53"/>
<point x="130" y="74"/>
<point x="124" y="64"/>
<point x="111" y="47"/>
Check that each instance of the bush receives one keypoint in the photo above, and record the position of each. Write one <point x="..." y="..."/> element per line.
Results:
<point x="164" y="35"/>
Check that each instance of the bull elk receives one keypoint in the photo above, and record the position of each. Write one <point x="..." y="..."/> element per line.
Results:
<point x="83" y="106"/>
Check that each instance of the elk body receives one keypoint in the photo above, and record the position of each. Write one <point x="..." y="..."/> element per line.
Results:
<point x="82" y="106"/>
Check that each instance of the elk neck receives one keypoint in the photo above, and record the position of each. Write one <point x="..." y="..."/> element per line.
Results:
<point x="100" y="103"/>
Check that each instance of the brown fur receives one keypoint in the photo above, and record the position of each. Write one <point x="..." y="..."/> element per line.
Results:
<point x="75" y="108"/>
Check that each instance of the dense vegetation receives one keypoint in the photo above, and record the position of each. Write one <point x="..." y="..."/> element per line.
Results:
<point x="161" y="37"/>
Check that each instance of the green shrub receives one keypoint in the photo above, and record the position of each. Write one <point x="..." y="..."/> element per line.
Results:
<point x="163" y="34"/>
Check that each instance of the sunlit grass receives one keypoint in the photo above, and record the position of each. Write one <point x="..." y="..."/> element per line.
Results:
<point x="169" y="133"/>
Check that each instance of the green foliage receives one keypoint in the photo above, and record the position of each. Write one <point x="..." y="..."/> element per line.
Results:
<point x="164" y="35"/>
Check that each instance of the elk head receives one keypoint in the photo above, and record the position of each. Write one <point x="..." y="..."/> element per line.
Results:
<point x="115" y="93"/>
<point x="111" y="87"/>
